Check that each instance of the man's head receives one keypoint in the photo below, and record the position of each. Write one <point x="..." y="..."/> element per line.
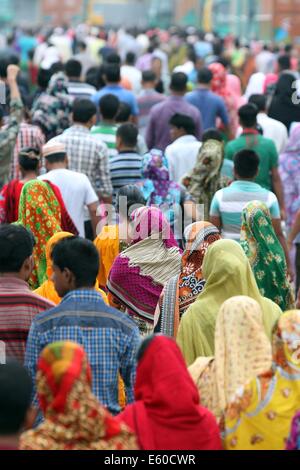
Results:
<point x="16" y="248"/>
<point x="284" y="63"/>
<point x="112" y="74"/>
<point x="15" y="398"/>
<point x="29" y="161"/>
<point x="75" y="265"/>
<point x="127" y="135"/>
<point x="180" y="125"/>
<point x="246" y="165"/>
<point x="205" y="77"/>
<point x="178" y="84"/>
<point x="212" y="134"/>
<point x="148" y="79"/>
<point x="130" y="58"/>
<point x="55" y="155"/>
<point x="82" y="47"/>
<point x="73" y="69"/>
<point x="84" y="113"/>
<point x="248" y="114"/>
<point x="260" y="101"/>
<point x="109" y="106"/>
<point x="124" y="113"/>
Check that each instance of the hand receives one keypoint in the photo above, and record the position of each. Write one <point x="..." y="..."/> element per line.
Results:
<point x="12" y="73"/>
<point x="290" y="273"/>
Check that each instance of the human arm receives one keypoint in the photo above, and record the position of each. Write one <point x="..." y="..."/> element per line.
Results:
<point x="278" y="190"/>
<point x="214" y="214"/>
<point x="278" y="230"/>
<point x="103" y="176"/>
<point x="32" y="353"/>
<point x="95" y="219"/>
<point x="128" y="363"/>
<point x="294" y="231"/>
<point x="9" y="134"/>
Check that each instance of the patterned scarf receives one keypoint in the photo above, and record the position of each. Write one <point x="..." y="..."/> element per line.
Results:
<point x="265" y="254"/>
<point x="74" y="419"/>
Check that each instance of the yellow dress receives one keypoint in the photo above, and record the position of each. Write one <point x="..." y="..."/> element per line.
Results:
<point x="108" y="246"/>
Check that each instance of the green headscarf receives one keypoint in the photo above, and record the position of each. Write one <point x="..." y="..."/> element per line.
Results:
<point x="266" y="255"/>
<point x="228" y="274"/>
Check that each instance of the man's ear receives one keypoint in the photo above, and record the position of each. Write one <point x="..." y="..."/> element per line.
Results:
<point x="69" y="277"/>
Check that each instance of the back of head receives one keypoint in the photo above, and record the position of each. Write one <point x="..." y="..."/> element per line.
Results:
<point x="248" y="114"/>
<point x="128" y="134"/>
<point x="129" y="198"/>
<point x="184" y="122"/>
<point x="124" y="113"/>
<point x="43" y="78"/>
<point x="54" y="152"/>
<point x="246" y="164"/>
<point x="130" y="58"/>
<point x="81" y="257"/>
<point x="179" y="82"/>
<point x="260" y="101"/>
<point x="284" y="62"/>
<point x="212" y="134"/>
<point x="285" y="87"/>
<point x="112" y="73"/>
<point x="15" y="397"/>
<point x="16" y="245"/>
<point x="109" y="106"/>
<point x="113" y="58"/>
<point x="29" y="159"/>
<point x="205" y="76"/>
<point x="148" y="76"/>
<point x="83" y="111"/>
<point x="73" y="69"/>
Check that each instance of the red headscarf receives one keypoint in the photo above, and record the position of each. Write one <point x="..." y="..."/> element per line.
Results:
<point x="167" y="414"/>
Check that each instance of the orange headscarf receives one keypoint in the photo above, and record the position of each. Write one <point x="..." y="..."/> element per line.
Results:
<point x="47" y="289"/>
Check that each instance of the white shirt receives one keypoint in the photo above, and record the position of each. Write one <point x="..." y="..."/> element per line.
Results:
<point x="182" y="156"/>
<point x="134" y="76"/>
<point x="77" y="192"/>
<point x="274" y="130"/>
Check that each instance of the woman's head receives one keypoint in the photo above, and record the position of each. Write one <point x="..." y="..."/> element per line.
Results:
<point x="286" y="342"/>
<point x="29" y="160"/>
<point x="210" y="160"/>
<point x="49" y="247"/>
<point x="129" y="199"/>
<point x="219" y="81"/>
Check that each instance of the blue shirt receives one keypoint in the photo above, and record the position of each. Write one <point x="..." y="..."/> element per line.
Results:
<point x="124" y="96"/>
<point x="109" y="337"/>
<point x="210" y="105"/>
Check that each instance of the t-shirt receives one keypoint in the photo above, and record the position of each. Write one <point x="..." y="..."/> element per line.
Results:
<point x="182" y="156"/>
<point x="266" y="150"/>
<point x="125" y="168"/>
<point x="228" y="204"/>
<point x="107" y="134"/>
<point x="124" y="96"/>
<point x="81" y="91"/>
<point x="77" y="192"/>
<point x="211" y="107"/>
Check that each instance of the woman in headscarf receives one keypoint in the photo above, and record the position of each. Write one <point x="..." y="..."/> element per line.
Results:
<point x="285" y="106"/>
<point x="74" y="418"/>
<point x="220" y="87"/>
<point x="167" y="414"/>
<point x="139" y="273"/>
<point x="228" y="273"/>
<point x="160" y="191"/>
<point x="205" y="179"/>
<point x="41" y="209"/>
<point x="293" y="442"/>
<point x="52" y="110"/>
<point x="182" y="290"/>
<point x="260" y="416"/>
<point x="255" y="85"/>
<point x="266" y="255"/>
<point x="47" y="289"/>
<point x="242" y="351"/>
<point x="289" y="169"/>
<point x="235" y="85"/>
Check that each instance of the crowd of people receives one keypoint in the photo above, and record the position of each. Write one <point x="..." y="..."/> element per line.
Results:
<point x="149" y="241"/>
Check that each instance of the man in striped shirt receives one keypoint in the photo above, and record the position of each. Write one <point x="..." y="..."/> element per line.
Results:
<point x="18" y="305"/>
<point x="76" y="88"/>
<point x="126" y="167"/>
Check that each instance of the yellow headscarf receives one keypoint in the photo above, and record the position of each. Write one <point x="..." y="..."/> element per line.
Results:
<point x="228" y="274"/>
<point x="47" y="289"/>
<point x="108" y="246"/>
<point x="242" y="351"/>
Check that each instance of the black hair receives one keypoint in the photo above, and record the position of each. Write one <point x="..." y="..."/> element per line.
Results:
<point x="43" y="78"/>
<point x="26" y="159"/>
<point x="109" y="106"/>
<point x="94" y="77"/>
<point x="248" y="114"/>
<point x="148" y="76"/>
<point x="112" y="73"/>
<point x="124" y="113"/>
<point x="205" y="76"/>
<point x="3" y="68"/>
<point x="134" y="198"/>
<point x="83" y="110"/>
<point x="81" y="45"/>
<point x="143" y="347"/>
<point x="288" y="48"/>
<point x="260" y="101"/>
<point x="113" y="58"/>
<point x="80" y="256"/>
<point x="130" y="58"/>
<point x="16" y="245"/>
<point x="73" y="68"/>
<point x="56" y="157"/>
<point x="246" y="163"/>
<point x="57" y="67"/>
<point x="128" y="132"/>
<point x="179" y="82"/>
<point x="284" y="62"/>
<point x="2" y="112"/>
<point x="15" y="397"/>
<point x="212" y="134"/>
<point x="182" y="121"/>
